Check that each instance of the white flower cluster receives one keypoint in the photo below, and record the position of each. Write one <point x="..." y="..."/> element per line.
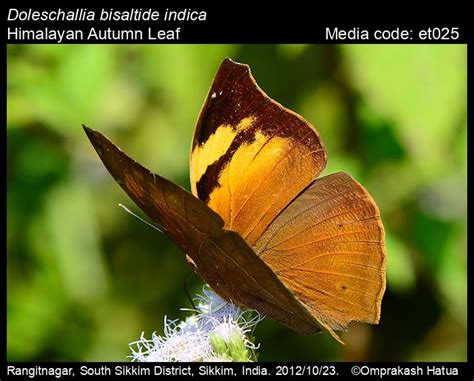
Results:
<point x="218" y="331"/>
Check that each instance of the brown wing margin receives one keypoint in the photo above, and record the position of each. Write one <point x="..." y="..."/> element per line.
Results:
<point x="221" y="257"/>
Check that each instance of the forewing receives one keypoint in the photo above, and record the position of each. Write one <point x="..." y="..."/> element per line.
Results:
<point x="184" y="218"/>
<point x="222" y="258"/>
<point x="250" y="156"/>
<point x="327" y="246"/>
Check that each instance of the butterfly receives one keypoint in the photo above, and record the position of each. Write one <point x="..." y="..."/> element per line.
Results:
<point x="260" y="226"/>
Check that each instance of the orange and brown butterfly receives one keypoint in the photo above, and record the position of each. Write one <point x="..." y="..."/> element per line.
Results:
<point x="260" y="226"/>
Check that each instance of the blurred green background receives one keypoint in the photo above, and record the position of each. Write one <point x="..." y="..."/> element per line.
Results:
<point x="85" y="278"/>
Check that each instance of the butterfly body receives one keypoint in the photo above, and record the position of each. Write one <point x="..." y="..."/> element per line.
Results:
<point x="260" y="227"/>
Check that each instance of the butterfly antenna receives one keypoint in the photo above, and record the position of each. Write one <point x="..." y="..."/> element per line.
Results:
<point x="187" y="292"/>
<point x="141" y="219"/>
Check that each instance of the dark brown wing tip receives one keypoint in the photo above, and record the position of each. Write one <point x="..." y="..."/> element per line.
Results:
<point x="89" y="132"/>
<point x="95" y="137"/>
<point x="100" y="143"/>
<point x="228" y="60"/>
<point x="229" y="63"/>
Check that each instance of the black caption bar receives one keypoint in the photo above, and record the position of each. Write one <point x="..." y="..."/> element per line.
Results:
<point x="210" y="24"/>
<point x="331" y="370"/>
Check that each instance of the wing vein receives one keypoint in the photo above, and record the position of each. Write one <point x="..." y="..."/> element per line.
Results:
<point x="320" y="222"/>
<point x="327" y="255"/>
<point x="330" y="294"/>
<point x="307" y="209"/>
<point x="331" y="273"/>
